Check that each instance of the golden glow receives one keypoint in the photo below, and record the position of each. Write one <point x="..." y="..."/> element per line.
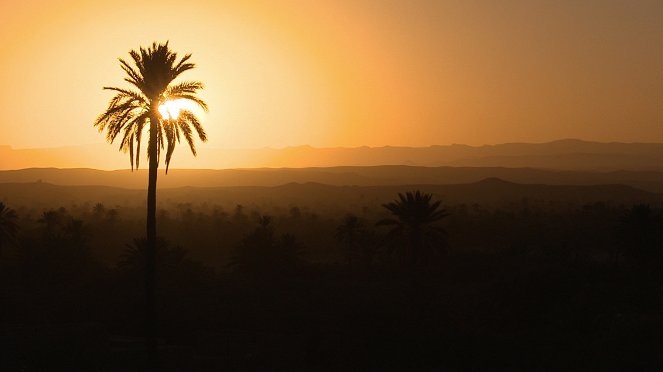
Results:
<point x="333" y="73"/>
<point x="170" y="110"/>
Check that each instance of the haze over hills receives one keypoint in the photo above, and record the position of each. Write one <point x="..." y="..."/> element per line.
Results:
<point x="567" y="154"/>
<point x="564" y="162"/>
<point x="488" y="192"/>
<point x="392" y="175"/>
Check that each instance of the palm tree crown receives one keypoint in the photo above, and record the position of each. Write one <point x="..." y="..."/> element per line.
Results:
<point x="353" y="235"/>
<point x="414" y="209"/>
<point x="129" y="111"/>
<point x="414" y="220"/>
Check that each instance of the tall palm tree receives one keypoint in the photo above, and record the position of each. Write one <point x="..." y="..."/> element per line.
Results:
<point x="8" y="226"/>
<point x="414" y="232"/>
<point x="130" y="112"/>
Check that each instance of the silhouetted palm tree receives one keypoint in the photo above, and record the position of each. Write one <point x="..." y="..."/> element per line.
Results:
<point x="348" y="234"/>
<point x="131" y="111"/>
<point x="8" y="226"/>
<point x="261" y="252"/>
<point x="171" y="259"/>
<point x="414" y="220"/>
<point x="53" y="222"/>
<point x="98" y="210"/>
<point x="356" y="238"/>
<point x="61" y="237"/>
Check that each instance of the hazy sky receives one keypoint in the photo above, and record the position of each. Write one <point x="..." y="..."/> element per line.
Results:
<point x="347" y="72"/>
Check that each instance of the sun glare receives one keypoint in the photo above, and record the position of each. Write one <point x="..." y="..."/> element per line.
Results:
<point x="170" y="110"/>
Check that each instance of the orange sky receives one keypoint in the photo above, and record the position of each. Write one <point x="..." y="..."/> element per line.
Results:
<point x="347" y="72"/>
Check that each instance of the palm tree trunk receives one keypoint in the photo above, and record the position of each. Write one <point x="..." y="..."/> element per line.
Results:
<point x="415" y="248"/>
<point x="150" y="261"/>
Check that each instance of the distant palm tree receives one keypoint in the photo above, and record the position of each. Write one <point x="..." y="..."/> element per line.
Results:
<point x="261" y="252"/>
<point x="355" y="237"/>
<point x="130" y="112"/>
<point x="348" y="234"/>
<point x="98" y="210"/>
<point x="8" y="226"/>
<point x="414" y="234"/>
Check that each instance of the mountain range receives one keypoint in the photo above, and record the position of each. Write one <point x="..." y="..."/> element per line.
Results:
<point x="386" y="175"/>
<point x="568" y="154"/>
<point x="487" y="192"/>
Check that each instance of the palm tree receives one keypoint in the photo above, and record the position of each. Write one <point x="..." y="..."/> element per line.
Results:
<point x="414" y="232"/>
<point x="356" y="239"/>
<point x="8" y="226"/>
<point x="348" y="234"/>
<point x="130" y="112"/>
<point x="260" y="252"/>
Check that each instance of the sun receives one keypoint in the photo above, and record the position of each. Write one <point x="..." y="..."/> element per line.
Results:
<point x="170" y="110"/>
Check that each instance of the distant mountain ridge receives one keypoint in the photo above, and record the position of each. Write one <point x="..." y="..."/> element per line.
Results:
<point x="386" y="175"/>
<point x="488" y="192"/>
<point x="567" y="154"/>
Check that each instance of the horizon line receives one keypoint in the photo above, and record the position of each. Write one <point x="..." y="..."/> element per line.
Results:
<point x="567" y="139"/>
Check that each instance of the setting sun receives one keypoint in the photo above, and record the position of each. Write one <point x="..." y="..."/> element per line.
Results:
<point x="331" y="184"/>
<point x="170" y="110"/>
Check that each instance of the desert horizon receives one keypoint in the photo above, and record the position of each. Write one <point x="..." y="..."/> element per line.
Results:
<point x="331" y="185"/>
<point x="563" y="154"/>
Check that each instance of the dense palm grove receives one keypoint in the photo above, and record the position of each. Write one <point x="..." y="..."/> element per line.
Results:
<point x="409" y="284"/>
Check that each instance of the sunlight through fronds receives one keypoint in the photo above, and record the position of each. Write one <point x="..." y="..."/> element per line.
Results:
<point x="171" y="106"/>
<point x="170" y="110"/>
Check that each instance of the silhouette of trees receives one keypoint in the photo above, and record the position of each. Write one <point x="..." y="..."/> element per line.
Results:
<point x="130" y="111"/>
<point x="275" y="311"/>
<point x="55" y="254"/>
<point x="639" y="235"/>
<point x="8" y="226"/>
<point x="239" y="217"/>
<point x="414" y="235"/>
<point x="261" y="252"/>
<point x="63" y="235"/>
<point x="57" y="224"/>
<point x="98" y="210"/>
<point x="356" y="239"/>
<point x="174" y="266"/>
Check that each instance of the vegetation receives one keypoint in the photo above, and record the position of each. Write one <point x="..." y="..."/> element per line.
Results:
<point x="414" y="235"/>
<point x="527" y="285"/>
<point x="129" y="112"/>
<point x="357" y="240"/>
<point x="8" y="226"/>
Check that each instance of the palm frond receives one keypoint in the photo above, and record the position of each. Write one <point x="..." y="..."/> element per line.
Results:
<point x="190" y="118"/>
<point x="170" y="135"/>
<point x="413" y="218"/>
<point x="184" y="87"/>
<point x="151" y="71"/>
<point x="125" y="93"/>
<point x="188" y="135"/>
<point x="386" y="222"/>
<point x="140" y="124"/>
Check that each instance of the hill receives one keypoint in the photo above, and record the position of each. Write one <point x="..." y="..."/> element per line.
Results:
<point x="338" y="176"/>
<point x="488" y="192"/>
<point x="569" y="154"/>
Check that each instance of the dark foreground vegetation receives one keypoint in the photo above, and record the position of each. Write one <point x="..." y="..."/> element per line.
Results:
<point x="526" y="285"/>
